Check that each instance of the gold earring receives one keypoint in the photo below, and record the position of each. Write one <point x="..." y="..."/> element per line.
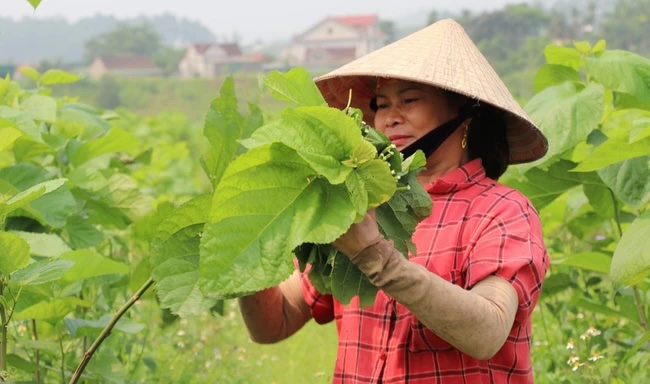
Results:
<point x="463" y="142"/>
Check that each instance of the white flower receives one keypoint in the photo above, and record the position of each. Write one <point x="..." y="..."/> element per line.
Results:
<point x="592" y="331"/>
<point x="576" y="365"/>
<point x="573" y="359"/>
<point x="596" y="356"/>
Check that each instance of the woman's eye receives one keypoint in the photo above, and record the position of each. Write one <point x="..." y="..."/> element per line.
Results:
<point x="382" y="106"/>
<point x="410" y="100"/>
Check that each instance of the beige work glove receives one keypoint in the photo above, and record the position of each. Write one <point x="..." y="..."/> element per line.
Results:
<point x="476" y="322"/>
<point x="385" y="266"/>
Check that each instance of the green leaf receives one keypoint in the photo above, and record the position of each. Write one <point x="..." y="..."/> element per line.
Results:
<point x="631" y="261"/>
<point x="621" y="71"/>
<point x="124" y="195"/>
<point x="378" y="181"/>
<point x="553" y="74"/>
<point x="629" y="180"/>
<point x="88" y="263"/>
<point x="612" y="151"/>
<point x="39" y="107"/>
<point x="34" y="3"/>
<point x="14" y="253"/>
<point x="640" y="129"/>
<point x="54" y="208"/>
<point x="583" y="47"/>
<point x="254" y="120"/>
<point x="363" y="153"/>
<point x="57" y="76"/>
<point x="82" y="327"/>
<point x="639" y="343"/>
<point x="566" y="115"/>
<point x="88" y="178"/>
<point x="601" y="199"/>
<point x="41" y="272"/>
<point x="116" y="140"/>
<point x="223" y="127"/>
<point x="600" y="47"/>
<point x="558" y="55"/>
<point x="82" y="121"/>
<point x="322" y="136"/>
<point x="44" y="345"/>
<point x="80" y="233"/>
<point x="20" y="120"/>
<point x="595" y="307"/>
<point x="544" y="186"/>
<point x="555" y="283"/>
<point x="53" y="310"/>
<point x="26" y="71"/>
<point x="107" y="366"/>
<point x="590" y="261"/>
<point x="31" y="194"/>
<point x="268" y="202"/>
<point x="176" y="273"/>
<point x="358" y="194"/>
<point x="394" y="229"/>
<point x="18" y="362"/>
<point x="348" y="281"/>
<point x="26" y="149"/>
<point x="7" y="137"/>
<point x="295" y="86"/>
<point x="44" y="244"/>
<point x="194" y="211"/>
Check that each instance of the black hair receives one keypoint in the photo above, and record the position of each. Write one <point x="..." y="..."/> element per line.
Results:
<point x="486" y="136"/>
<point x="487" y="139"/>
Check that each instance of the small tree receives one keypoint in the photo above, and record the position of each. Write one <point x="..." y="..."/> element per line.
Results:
<point x="125" y="39"/>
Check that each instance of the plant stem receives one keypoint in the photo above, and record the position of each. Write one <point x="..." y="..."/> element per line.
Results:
<point x="637" y="300"/>
<point x="107" y="330"/>
<point x="62" y="360"/>
<point x="37" y="355"/>
<point x="3" y="341"/>
<point x="639" y="308"/>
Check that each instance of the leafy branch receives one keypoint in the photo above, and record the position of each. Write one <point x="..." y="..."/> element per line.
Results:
<point x="107" y="330"/>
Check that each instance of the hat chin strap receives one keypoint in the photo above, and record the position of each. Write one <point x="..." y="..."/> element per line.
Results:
<point x="434" y="139"/>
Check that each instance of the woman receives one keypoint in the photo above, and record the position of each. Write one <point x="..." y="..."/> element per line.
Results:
<point x="459" y="310"/>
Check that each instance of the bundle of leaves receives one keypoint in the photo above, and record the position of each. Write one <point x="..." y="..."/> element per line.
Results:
<point x="292" y="187"/>
<point x="304" y="179"/>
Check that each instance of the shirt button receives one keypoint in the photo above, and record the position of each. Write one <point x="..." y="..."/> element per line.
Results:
<point x="382" y="356"/>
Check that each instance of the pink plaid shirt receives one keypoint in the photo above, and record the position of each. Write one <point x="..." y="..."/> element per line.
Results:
<point x="477" y="228"/>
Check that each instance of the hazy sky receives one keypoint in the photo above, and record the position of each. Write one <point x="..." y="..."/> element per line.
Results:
<point x="250" y="19"/>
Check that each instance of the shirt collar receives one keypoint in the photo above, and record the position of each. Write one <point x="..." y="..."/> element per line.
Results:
<point x="460" y="178"/>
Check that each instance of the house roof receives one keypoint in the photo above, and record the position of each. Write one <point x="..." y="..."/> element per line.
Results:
<point x="231" y="49"/>
<point x="357" y="21"/>
<point x="127" y="62"/>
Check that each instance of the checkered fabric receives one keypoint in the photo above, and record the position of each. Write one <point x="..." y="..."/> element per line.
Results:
<point x="477" y="228"/>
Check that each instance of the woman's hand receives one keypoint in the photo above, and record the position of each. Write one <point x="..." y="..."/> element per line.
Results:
<point x="359" y="236"/>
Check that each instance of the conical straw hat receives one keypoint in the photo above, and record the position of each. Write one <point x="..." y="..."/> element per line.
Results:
<point x="442" y="55"/>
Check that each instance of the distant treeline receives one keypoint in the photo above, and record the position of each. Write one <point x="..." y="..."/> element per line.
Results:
<point x="57" y="40"/>
<point x="512" y="38"/>
<point x="623" y="23"/>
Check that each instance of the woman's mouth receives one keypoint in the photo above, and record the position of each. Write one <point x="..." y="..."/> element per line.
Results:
<point x="400" y="141"/>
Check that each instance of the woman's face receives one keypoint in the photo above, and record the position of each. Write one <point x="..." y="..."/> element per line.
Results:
<point x="407" y="110"/>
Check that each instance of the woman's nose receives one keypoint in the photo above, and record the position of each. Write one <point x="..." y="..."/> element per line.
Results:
<point x="394" y="116"/>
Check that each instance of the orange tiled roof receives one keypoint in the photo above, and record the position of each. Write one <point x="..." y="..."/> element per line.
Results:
<point x="360" y="20"/>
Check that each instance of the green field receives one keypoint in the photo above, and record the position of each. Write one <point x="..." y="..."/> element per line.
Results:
<point x="111" y="169"/>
